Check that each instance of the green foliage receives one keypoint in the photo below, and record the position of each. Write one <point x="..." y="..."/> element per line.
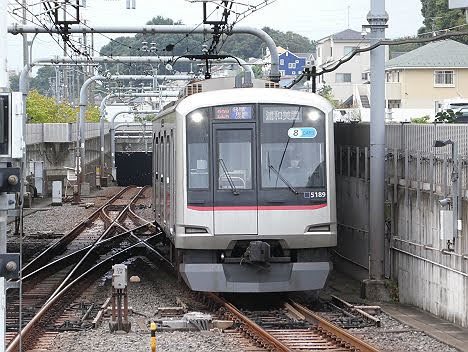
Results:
<point x="393" y="290"/>
<point x="403" y="48"/>
<point x="43" y="109"/>
<point x="327" y="92"/>
<point x="42" y="80"/>
<point x="14" y="82"/>
<point x="422" y="119"/>
<point x="141" y="118"/>
<point x="448" y="116"/>
<point x="92" y="114"/>
<point x="244" y="46"/>
<point x="257" y="69"/>
<point x="438" y="16"/>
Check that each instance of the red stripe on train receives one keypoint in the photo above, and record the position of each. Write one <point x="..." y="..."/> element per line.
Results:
<point x="260" y="207"/>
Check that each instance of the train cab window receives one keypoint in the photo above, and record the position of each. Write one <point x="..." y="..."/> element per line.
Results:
<point x="197" y="149"/>
<point x="234" y="151"/>
<point x="292" y="147"/>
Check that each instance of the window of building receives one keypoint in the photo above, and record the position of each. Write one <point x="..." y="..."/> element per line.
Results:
<point x="394" y="104"/>
<point x="281" y="62"/>
<point x="331" y="51"/>
<point x="343" y="77"/>
<point x="444" y="78"/>
<point x="318" y="51"/>
<point x="387" y="77"/>
<point x="398" y="76"/>
<point x="292" y="65"/>
<point x="365" y="76"/>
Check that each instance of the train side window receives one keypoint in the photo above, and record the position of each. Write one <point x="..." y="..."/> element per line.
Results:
<point x="161" y="163"/>
<point x="197" y="150"/>
<point x="155" y="160"/>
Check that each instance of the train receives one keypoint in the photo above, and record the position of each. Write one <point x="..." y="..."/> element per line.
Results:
<point x="244" y="186"/>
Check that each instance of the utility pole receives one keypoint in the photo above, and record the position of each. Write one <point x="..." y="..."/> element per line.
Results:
<point x="11" y="177"/>
<point x="25" y="36"/>
<point x="374" y="287"/>
<point x="3" y="45"/>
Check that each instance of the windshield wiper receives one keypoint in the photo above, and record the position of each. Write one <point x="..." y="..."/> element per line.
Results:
<point x="228" y="176"/>
<point x="270" y="167"/>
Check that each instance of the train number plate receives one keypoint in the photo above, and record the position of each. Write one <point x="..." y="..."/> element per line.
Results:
<point x="302" y="132"/>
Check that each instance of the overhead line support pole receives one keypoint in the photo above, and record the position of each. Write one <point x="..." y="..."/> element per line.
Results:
<point x="82" y="115"/>
<point x="377" y="19"/>
<point x="102" y="110"/>
<point x="165" y="29"/>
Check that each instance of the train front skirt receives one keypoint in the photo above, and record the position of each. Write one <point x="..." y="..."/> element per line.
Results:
<point x="276" y="277"/>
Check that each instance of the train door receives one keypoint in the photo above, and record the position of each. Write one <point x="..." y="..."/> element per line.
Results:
<point x="235" y="189"/>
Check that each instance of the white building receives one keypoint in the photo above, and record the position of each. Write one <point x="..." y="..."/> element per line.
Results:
<point x="344" y="79"/>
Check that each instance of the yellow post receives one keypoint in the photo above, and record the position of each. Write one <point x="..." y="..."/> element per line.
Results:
<point x="153" y="337"/>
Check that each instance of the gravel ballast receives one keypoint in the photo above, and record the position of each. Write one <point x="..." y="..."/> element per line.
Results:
<point x="156" y="289"/>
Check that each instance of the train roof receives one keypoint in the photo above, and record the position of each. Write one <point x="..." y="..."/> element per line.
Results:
<point x="231" y="96"/>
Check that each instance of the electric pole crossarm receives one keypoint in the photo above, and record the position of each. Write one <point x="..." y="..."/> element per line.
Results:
<point x="165" y="29"/>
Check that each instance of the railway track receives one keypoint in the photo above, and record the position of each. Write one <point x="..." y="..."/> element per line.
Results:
<point x="113" y="232"/>
<point x="290" y="328"/>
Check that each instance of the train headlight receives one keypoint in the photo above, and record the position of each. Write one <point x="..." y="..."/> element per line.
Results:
<point x="314" y="115"/>
<point x="197" y="117"/>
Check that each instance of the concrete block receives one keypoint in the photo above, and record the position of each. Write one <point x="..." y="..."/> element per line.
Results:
<point x="134" y="279"/>
<point x="375" y="290"/>
<point x="222" y="324"/>
<point x="85" y="189"/>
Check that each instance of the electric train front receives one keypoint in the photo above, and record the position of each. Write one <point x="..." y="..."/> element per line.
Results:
<point x="259" y="205"/>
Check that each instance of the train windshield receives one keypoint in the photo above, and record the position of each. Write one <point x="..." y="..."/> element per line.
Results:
<point x="292" y="147"/>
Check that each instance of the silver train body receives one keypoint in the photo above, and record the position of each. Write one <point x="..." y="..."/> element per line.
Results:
<point x="244" y="189"/>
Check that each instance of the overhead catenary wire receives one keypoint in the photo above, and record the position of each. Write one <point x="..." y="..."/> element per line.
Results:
<point x="42" y="25"/>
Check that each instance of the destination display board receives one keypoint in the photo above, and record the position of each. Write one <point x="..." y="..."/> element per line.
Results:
<point x="281" y="114"/>
<point x="233" y="112"/>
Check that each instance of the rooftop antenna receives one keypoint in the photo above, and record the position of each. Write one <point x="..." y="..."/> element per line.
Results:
<point x="349" y="7"/>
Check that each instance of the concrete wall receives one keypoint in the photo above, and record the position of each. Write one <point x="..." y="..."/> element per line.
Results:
<point x="54" y="144"/>
<point x="417" y="176"/>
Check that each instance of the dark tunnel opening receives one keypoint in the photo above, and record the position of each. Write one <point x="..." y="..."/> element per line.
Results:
<point x="133" y="168"/>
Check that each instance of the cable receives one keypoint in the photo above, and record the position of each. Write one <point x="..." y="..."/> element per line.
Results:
<point x="42" y="25"/>
<point x="348" y="57"/>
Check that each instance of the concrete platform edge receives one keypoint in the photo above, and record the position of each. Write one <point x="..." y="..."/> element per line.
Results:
<point x="439" y="336"/>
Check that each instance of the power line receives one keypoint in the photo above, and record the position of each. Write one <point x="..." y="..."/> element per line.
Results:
<point x="42" y="25"/>
<point x="348" y="57"/>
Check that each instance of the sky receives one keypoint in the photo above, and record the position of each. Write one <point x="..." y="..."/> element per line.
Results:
<point x="314" y="19"/>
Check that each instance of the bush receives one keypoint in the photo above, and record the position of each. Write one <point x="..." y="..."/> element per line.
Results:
<point x="448" y="116"/>
<point x="423" y="119"/>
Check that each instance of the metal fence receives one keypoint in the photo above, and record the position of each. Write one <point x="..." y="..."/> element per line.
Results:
<point x="59" y="132"/>
<point x="417" y="176"/>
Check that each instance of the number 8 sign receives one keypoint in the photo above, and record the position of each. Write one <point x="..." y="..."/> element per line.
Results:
<point x="302" y="132"/>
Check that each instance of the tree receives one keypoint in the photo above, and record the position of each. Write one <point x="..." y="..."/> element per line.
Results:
<point x="42" y="80"/>
<point x="244" y="46"/>
<point x="257" y="70"/>
<point x="403" y="48"/>
<point x="14" y="82"/>
<point x="43" y="109"/>
<point x="438" y="16"/>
